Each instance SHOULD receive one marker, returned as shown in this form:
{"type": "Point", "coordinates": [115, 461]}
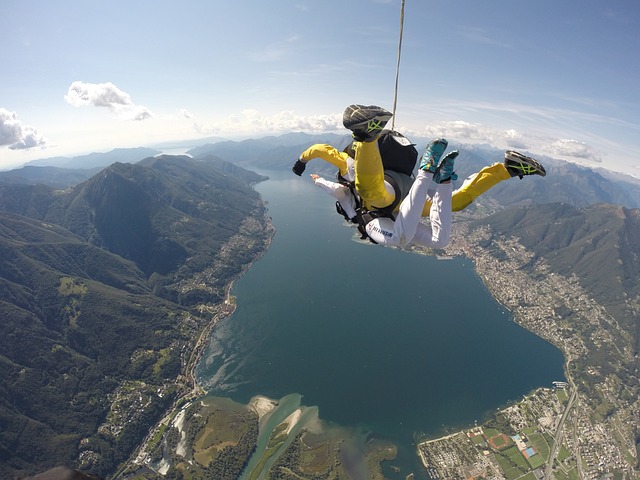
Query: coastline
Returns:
{"type": "Point", "coordinates": [188, 378]}
{"type": "Point", "coordinates": [526, 286]}
{"type": "Point", "coordinates": [226, 308]}
{"type": "Point", "coordinates": [526, 311]}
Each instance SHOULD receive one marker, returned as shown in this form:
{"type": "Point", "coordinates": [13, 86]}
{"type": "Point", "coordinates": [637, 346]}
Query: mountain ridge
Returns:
{"type": "Point", "coordinates": [600, 244]}
{"type": "Point", "coordinates": [569, 275]}
{"type": "Point", "coordinates": [104, 287]}
{"type": "Point", "coordinates": [566, 182]}
{"type": "Point", "coordinates": [136, 250]}
{"type": "Point", "coordinates": [97, 159]}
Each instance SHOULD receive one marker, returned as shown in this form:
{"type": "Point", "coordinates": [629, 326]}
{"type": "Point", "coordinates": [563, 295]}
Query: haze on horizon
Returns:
{"type": "Point", "coordinates": [548, 78]}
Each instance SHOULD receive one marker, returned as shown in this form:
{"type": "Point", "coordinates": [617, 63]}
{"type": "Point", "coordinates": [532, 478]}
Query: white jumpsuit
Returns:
{"type": "Point", "coordinates": [407, 228]}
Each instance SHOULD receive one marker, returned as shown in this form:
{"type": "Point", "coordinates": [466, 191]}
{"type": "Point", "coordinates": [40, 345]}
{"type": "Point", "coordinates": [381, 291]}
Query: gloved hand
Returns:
{"type": "Point", "coordinates": [299, 167]}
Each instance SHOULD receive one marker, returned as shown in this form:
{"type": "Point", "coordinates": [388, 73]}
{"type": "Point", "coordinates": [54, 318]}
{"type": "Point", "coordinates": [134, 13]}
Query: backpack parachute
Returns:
{"type": "Point", "coordinates": [397, 152]}
{"type": "Point", "coordinates": [399, 157]}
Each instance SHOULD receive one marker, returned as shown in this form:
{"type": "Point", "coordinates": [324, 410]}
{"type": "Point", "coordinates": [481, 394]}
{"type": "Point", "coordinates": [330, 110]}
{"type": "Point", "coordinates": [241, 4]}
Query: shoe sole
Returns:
{"type": "Point", "coordinates": [361, 118]}
{"type": "Point", "coordinates": [527, 165]}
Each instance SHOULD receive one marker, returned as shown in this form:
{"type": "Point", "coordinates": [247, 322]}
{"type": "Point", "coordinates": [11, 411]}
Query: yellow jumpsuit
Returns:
{"type": "Point", "coordinates": [370, 183]}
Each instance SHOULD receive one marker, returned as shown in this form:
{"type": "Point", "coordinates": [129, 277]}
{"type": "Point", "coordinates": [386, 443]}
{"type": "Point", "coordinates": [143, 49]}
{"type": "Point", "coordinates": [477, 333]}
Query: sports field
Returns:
{"type": "Point", "coordinates": [499, 442]}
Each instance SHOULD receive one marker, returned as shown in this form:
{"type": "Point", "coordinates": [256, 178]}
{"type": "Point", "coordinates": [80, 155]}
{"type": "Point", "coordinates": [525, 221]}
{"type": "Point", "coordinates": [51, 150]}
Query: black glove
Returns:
{"type": "Point", "coordinates": [299, 167]}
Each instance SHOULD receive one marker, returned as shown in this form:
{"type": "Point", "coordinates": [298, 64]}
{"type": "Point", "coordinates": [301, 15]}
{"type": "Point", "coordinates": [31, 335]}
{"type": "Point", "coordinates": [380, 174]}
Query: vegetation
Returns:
{"type": "Point", "coordinates": [220, 437]}
{"type": "Point", "coordinates": [105, 285]}
{"type": "Point", "coordinates": [600, 247]}
{"type": "Point", "coordinates": [98, 303]}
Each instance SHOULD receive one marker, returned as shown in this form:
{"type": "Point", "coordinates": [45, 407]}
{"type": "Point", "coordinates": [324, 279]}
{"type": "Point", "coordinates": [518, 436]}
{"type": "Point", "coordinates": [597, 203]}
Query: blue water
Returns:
{"type": "Point", "coordinates": [380, 339]}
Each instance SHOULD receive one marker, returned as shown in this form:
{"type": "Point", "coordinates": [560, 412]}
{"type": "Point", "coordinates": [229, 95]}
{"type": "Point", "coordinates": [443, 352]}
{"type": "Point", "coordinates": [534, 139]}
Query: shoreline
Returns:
{"type": "Point", "coordinates": [533, 299]}
{"type": "Point", "coordinates": [222, 310]}
{"type": "Point", "coordinates": [225, 309]}
{"type": "Point", "coordinates": [228, 306]}
{"type": "Point", "coordinates": [523, 315]}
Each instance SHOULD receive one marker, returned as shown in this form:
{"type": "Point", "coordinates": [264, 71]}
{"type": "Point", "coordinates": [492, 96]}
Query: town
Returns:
{"type": "Point", "coordinates": [579, 429]}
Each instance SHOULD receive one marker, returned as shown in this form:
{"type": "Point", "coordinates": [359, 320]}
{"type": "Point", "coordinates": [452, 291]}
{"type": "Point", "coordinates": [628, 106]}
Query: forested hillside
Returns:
{"type": "Point", "coordinates": [600, 245]}
{"type": "Point", "coordinates": [99, 303]}
{"type": "Point", "coordinates": [595, 251]}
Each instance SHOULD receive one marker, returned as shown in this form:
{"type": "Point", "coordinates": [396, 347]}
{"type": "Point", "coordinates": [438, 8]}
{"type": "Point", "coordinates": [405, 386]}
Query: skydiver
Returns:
{"type": "Point", "coordinates": [405, 227]}
{"type": "Point", "coordinates": [370, 184]}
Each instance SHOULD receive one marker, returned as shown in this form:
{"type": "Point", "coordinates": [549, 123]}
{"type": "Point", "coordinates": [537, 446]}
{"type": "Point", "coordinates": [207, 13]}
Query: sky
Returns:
{"type": "Point", "coordinates": [558, 78]}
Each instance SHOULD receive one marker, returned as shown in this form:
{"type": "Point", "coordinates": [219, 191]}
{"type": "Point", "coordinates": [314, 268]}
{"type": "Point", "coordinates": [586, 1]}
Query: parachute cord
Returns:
{"type": "Point", "coordinates": [395, 92]}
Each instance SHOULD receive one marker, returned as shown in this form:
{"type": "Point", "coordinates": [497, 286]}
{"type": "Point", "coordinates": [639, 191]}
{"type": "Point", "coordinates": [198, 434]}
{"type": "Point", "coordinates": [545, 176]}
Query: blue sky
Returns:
{"type": "Point", "coordinates": [549, 77]}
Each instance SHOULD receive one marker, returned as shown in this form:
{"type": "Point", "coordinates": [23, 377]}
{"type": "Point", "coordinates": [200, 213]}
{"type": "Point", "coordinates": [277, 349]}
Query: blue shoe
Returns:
{"type": "Point", "coordinates": [365, 121]}
{"type": "Point", "coordinates": [431, 156]}
{"type": "Point", "coordinates": [444, 171]}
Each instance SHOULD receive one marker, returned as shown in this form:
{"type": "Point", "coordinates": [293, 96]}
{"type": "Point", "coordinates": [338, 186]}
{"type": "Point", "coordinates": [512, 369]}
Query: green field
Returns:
{"type": "Point", "coordinates": [477, 440]}
{"type": "Point", "coordinates": [536, 461]}
{"type": "Point", "coordinates": [562, 395]}
{"type": "Point", "coordinates": [542, 443]}
{"type": "Point", "coordinates": [512, 463]}
{"type": "Point", "coordinates": [516, 457]}
{"type": "Point", "coordinates": [490, 432]}
{"type": "Point", "coordinates": [510, 471]}
{"type": "Point", "coordinates": [563, 454]}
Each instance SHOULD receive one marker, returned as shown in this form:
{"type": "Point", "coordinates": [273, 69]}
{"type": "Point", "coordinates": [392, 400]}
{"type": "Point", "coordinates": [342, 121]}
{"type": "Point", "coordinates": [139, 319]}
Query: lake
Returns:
{"type": "Point", "coordinates": [384, 340]}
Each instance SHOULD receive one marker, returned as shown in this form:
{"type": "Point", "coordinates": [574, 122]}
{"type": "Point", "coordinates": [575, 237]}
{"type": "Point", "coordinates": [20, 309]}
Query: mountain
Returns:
{"type": "Point", "coordinates": [73, 317]}
{"type": "Point", "coordinates": [92, 160]}
{"type": "Point", "coordinates": [565, 182]}
{"type": "Point", "coordinates": [269, 152]}
{"type": "Point", "coordinates": [104, 287]}
{"type": "Point", "coordinates": [599, 248]}
{"type": "Point", "coordinates": [185, 144]}
{"type": "Point", "coordinates": [64, 177]}
{"type": "Point", "coordinates": [135, 211]}
{"type": "Point", "coordinates": [57, 177]}
{"type": "Point", "coordinates": [599, 244]}
{"type": "Point", "coordinates": [628, 184]}
{"type": "Point", "coordinates": [570, 275]}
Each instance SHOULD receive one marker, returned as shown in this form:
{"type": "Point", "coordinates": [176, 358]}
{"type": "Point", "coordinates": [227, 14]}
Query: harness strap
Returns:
{"type": "Point", "coordinates": [363, 215]}
{"type": "Point", "coordinates": [388, 210]}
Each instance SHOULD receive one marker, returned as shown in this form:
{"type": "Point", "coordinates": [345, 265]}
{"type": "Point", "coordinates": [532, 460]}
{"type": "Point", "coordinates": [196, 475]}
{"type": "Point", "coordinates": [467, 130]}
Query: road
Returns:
{"type": "Point", "coordinates": [557, 438]}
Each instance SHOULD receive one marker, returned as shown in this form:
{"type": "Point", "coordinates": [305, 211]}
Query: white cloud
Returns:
{"type": "Point", "coordinates": [463, 132]}
{"type": "Point", "coordinates": [573, 148]}
{"type": "Point", "coordinates": [251, 122]}
{"type": "Point", "coordinates": [514, 139]}
{"type": "Point", "coordinates": [107, 95]}
{"type": "Point", "coordinates": [472, 133]}
{"type": "Point", "coordinates": [17, 136]}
